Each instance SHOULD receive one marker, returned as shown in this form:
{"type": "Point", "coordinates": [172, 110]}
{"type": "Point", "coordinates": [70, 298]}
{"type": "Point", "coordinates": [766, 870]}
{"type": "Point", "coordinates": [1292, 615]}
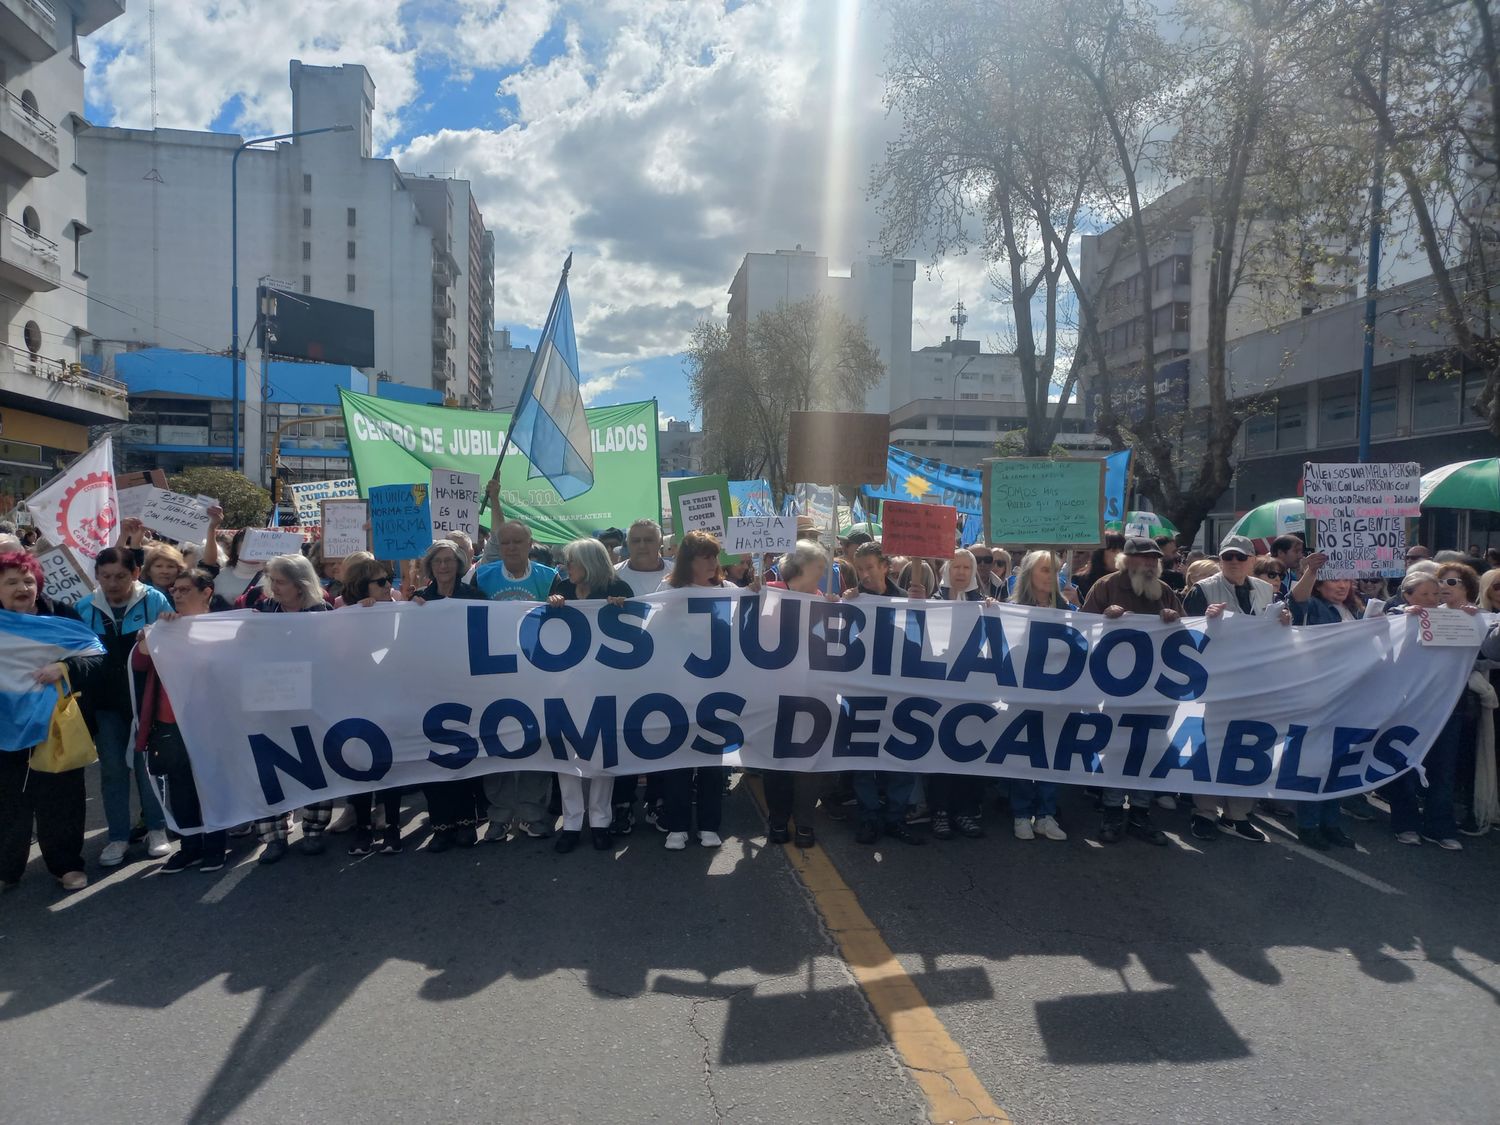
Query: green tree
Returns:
{"type": "Point", "coordinates": [245, 503]}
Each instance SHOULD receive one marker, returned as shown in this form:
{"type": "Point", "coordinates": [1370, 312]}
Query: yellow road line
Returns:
{"type": "Point", "coordinates": [937, 1064]}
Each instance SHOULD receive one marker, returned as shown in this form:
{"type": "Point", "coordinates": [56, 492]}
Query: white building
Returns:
{"type": "Point", "coordinates": [679, 448]}
{"type": "Point", "coordinates": [510, 365]}
{"type": "Point", "coordinates": [877, 293]}
{"type": "Point", "coordinates": [318, 214]}
{"type": "Point", "coordinates": [47, 401]}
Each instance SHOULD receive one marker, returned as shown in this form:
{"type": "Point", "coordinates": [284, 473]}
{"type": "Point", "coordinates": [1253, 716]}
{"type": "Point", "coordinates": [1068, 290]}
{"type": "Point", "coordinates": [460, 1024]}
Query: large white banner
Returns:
{"type": "Point", "coordinates": [279, 710]}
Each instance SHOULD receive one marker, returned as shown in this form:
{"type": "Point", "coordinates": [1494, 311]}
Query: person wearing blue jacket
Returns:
{"type": "Point", "coordinates": [117, 611]}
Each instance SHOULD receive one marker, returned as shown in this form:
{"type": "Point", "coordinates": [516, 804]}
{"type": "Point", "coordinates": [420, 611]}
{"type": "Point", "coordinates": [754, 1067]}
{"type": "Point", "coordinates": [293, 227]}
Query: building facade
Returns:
{"type": "Point", "coordinates": [509, 366]}
{"type": "Point", "coordinates": [679, 449]}
{"type": "Point", "coordinates": [317, 214]}
{"type": "Point", "coordinates": [877, 293]}
{"type": "Point", "coordinates": [48, 401]}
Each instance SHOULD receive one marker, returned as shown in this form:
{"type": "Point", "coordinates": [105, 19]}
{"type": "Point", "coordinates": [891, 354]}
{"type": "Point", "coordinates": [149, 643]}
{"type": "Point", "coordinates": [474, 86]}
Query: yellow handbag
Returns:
{"type": "Point", "coordinates": [69, 745]}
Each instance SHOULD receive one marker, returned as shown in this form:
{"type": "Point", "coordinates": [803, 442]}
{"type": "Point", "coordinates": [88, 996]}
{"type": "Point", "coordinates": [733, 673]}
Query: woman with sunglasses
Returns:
{"type": "Point", "coordinates": [701, 788]}
{"type": "Point", "coordinates": [367, 580]}
{"type": "Point", "coordinates": [1269, 569]}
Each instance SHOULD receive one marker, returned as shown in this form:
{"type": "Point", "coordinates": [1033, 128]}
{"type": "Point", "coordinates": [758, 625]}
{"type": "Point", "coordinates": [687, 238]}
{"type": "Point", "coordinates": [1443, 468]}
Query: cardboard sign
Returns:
{"type": "Point", "coordinates": [1039, 502]}
{"type": "Point", "coordinates": [345, 526]}
{"type": "Point", "coordinates": [701, 504]}
{"type": "Point", "coordinates": [760, 535]}
{"type": "Point", "coordinates": [309, 495]}
{"type": "Point", "coordinates": [1444, 627]}
{"type": "Point", "coordinates": [837, 447]}
{"type": "Point", "coordinates": [454, 500]}
{"type": "Point", "coordinates": [175, 516]}
{"type": "Point", "coordinates": [63, 580]}
{"type": "Point", "coordinates": [924, 531]}
{"type": "Point", "coordinates": [400, 521]}
{"type": "Point", "coordinates": [135, 480]}
{"type": "Point", "coordinates": [262, 543]}
{"type": "Point", "coordinates": [1359, 514]}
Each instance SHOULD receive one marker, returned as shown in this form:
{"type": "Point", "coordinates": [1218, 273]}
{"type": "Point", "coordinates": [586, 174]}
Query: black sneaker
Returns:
{"type": "Point", "coordinates": [1112, 827]}
{"type": "Point", "coordinates": [969, 827]}
{"type": "Point", "coordinates": [179, 861]}
{"type": "Point", "coordinates": [1313, 838]}
{"type": "Point", "coordinates": [466, 836]}
{"type": "Point", "coordinates": [272, 851]}
{"type": "Point", "coordinates": [312, 845]}
{"type": "Point", "coordinates": [363, 842]}
{"type": "Point", "coordinates": [1242, 828]}
{"type": "Point", "coordinates": [1358, 809]}
{"type": "Point", "coordinates": [1203, 829]}
{"type": "Point", "coordinates": [867, 832]}
{"type": "Point", "coordinates": [942, 827]}
{"type": "Point", "coordinates": [390, 840]}
{"type": "Point", "coordinates": [1139, 825]}
{"type": "Point", "coordinates": [603, 839]}
{"type": "Point", "coordinates": [624, 822]}
{"type": "Point", "coordinates": [566, 842]}
{"type": "Point", "coordinates": [901, 831]}
{"type": "Point", "coordinates": [778, 835]}
{"type": "Point", "coordinates": [805, 838]}
{"type": "Point", "coordinates": [1338, 837]}
{"type": "Point", "coordinates": [441, 841]}
{"type": "Point", "coordinates": [211, 863]}
{"type": "Point", "coordinates": [656, 818]}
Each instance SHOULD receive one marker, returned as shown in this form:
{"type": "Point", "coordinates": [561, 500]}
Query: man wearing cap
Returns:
{"type": "Point", "coordinates": [1232, 588]}
{"type": "Point", "coordinates": [1135, 588]}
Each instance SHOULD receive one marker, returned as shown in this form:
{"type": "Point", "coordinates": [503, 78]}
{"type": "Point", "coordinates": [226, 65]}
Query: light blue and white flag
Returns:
{"type": "Point", "coordinates": [549, 427]}
{"type": "Point", "coordinates": [28, 642]}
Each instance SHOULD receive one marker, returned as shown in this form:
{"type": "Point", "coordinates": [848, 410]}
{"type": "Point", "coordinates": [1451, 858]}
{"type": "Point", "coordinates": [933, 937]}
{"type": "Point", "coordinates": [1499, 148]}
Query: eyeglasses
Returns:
{"type": "Point", "coordinates": [984, 560]}
{"type": "Point", "coordinates": [1234, 556]}
{"type": "Point", "coordinates": [380, 582]}
{"type": "Point", "coordinates": [1451, 581]}
{"type": "Point", "coordinates": [1274, 573]}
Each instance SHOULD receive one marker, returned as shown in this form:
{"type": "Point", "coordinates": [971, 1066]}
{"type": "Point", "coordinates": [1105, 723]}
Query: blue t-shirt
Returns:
{"type": "Point", "coordinates": [499, 586]}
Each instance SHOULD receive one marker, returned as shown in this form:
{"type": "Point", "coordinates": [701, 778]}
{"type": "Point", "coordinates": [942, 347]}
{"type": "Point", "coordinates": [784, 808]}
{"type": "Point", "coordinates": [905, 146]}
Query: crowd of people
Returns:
{"type": "Point", "coordinates": [130, 714]}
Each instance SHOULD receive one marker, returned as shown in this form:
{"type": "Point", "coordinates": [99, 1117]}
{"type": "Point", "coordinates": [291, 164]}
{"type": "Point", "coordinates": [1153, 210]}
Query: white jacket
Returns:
{"type": "Point", "coordinates": [1217, 589]}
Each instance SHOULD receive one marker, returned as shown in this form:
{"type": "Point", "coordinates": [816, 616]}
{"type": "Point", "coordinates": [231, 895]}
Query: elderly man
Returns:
{"type": "Point", "coordinates": [1135, 588]}
{"type": "Point", "coordinates": [1236, 589]}
{"type": "Point", "coordinates": [643, 568]}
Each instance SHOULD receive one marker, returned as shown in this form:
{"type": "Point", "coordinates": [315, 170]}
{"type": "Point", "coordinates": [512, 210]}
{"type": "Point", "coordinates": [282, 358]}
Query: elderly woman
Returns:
{"type": "Point", "coordinates": [367, 580]}
{"type": "Point", "coordinates": [159, 738]}
{"type": "Point", "coordinates": [700, 789]}
{"type": "Point", "coordinates": [50, 803]}
{"type": "Point", "coordinates": [290, 585]}
{"type": "Point", "coordinates": [161, 566]}
{"type": "Point", "coordinates": [444, 564]}
{"type": "Point", "coordinates": [588, 574]}
{"type": "Point", "coordinates": [793, 794]}
{"type": "Point", "coordinates": [954, 798]}
{"type": "Point", "coordinates": [117, 611]}
{"type": "Point", "coordinates": [1489, 591]}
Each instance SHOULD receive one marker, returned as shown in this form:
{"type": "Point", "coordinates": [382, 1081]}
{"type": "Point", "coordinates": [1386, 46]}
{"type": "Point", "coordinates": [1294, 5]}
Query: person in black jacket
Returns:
{"type": "Point", "coordinates": [52, 802]}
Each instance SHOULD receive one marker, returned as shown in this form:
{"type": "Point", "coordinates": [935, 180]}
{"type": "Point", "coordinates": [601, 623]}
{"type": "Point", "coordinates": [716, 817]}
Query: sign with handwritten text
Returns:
{"type": "Point", "coordinates": [1360, 513]}
{"type": "Point", "coordinates": [760, 535]}
{"type": "Point", "coordinates": [1039, 502]}
{"type": "Point", "coordinates": [920, 530]}
{"type": "Point", "coordinates": [400, 521]}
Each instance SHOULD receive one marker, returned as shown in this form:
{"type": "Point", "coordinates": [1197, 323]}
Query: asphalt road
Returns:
{"type": "Point", "coordinates": [509, 984]}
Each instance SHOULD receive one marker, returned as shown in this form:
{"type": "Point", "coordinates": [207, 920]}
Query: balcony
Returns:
{"type": "Point", "coordinates": [27, 139]}
{"type": "Point", "coordinates": [60, 389]}
{"type": "Point", "coordinates": [95, 14]}
{"type": "Point", "coordinates": [441, 305]}
{"type": "Point", "coordinates": [442, 336]}
{"type": "Point", "coordinates": [26, 258]}
{"type": "Point", "coordinates": [29, 27]}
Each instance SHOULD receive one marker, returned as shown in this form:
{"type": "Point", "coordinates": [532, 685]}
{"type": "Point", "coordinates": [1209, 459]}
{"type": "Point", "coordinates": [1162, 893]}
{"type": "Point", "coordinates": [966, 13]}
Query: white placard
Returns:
{"type": "Point", "coordinates": [455, 503]}
{"type": "Point", "coordinates": [63, 580]}
{"type": "Point", "coordinates": [701, 511]}
{"type": "Point", "coordinates": [308, 495]}
{"type": "Point", "coordinates": [1361, 513]}
{"type": "Point", "coordinates": [176, 516]}
{"type": "Point", "coordinates": [132, 501]}
{"type": "Point", "coordinates": [1444, 627]}
{"type": "Point", "coordinates": [277, 687]}
{"type": "Point", "coordinates": [346, 527]}
{"type": "Point", "coordinates": [759, 535]}
{"type": "Point", "coordinates": [262, 543]}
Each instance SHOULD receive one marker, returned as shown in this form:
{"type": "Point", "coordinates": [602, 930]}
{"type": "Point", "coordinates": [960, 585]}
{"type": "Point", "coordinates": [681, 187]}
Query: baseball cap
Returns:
{"type": "Point", "coordinates": [1238, 543]}
{"type": "Point", "coordinates": [1140, 545]}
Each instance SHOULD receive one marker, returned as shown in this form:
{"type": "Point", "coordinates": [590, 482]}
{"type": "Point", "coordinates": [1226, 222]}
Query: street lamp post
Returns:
{"type": "Point", "coordinates": [234, 275]}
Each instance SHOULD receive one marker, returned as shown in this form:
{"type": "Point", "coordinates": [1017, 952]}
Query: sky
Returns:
{"type": "Point", "coordinates": [657, 140]}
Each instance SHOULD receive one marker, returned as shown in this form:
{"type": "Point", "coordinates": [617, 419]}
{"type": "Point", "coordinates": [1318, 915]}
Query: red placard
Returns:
{"type": "Point", "coordinates": [923, 531]}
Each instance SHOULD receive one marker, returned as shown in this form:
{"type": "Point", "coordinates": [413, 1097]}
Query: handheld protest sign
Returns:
{"type": "Point", "coordinates": [262, 543]}
{"type": "Point", "coordinates": [701, 504]}
{"type": "Point", "coordinates": [63, 580]}
{"type": "Point", "coordinates": [1042, 502]}
{"type": "Point", "coordinates": [307, 496]}
{"type": "Point", "coordinates": [455, 503]}
{"type": "Point", "coordinates": [175, 516]}
{"type": "Point", "coordinates": [838, 447]}
{"type": "Point", "coordinates": [923, 530]}
{"type": "Point", "coordinates": [346, 527]}
{"type": "Point", "coordinates": [400, 521]}
{"type": "Point", "coordinates": [1358, 513]}
{"type": "Point", "coordinates": [760, 535]}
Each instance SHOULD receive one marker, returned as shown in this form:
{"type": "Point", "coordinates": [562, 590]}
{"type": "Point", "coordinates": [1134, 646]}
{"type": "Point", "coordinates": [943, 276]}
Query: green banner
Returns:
{"type": "Point", "coordinates": [401, 443]}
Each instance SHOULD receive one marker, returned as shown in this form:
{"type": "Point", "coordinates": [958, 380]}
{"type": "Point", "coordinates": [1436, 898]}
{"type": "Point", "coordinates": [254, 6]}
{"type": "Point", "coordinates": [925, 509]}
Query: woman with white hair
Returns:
{"type": "Point", "coordinates": [290, 585]}
{"type": "Point", "coordinates": [590, 576]}
{"type": "Point", "coordinates": [1033, 804]}
{"type": "Point", "coordinates": [955, 798]}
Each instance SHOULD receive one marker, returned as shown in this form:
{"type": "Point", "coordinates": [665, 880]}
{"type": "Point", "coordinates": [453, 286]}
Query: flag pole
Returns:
{"type": "Point", "coordinates": [515, 413]}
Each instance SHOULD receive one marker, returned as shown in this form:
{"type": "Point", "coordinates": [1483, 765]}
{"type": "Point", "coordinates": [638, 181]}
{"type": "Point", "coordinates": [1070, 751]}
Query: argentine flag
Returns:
{"type": "Point", "coordinates": [29, 641]}
{"type": "Point", "coordinates": [549, 427]}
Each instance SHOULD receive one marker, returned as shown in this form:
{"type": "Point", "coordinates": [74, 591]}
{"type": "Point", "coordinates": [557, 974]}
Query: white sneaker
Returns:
{"type": "Point", "coordinates": [157, 845]}
{"type": "Point", "coordinates": [1410, 838]}
{"type": "Point", "coordinates": [676, 841]}
{"type": "Point", "coordinates": [496, 832]}
{"type": "Point", "coordinates": [1166, 801]}
{"type": "Point", "coordinates": [1049, 828]}
{"type": "Point", "coordinates": [710, 839]}
{"type": "Point", "coordinates": [113, 854]}
{"type": "Point", "coordinates": [1447, 843]}
{"type": "Point", "coordinates": [1023, 828]}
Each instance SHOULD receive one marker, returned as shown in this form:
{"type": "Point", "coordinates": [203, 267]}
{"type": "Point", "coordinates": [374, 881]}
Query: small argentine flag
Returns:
{"type": "Point", "coordinates": [28, 642]}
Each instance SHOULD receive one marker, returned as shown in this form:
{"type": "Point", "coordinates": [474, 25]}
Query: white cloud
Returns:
{"type": "Point", "coordinates": [606, 382]}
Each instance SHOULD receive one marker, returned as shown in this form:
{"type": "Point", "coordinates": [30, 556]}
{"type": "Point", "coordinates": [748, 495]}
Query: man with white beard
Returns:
{"type": "Point", "coordinates": [1135, 588]}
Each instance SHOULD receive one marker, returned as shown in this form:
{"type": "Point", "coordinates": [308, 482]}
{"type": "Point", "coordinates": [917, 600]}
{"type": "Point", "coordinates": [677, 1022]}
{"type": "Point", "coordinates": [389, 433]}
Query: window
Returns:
{"type": "Point", "coordinates": [31, 221]}
{"type": "Point", "coordinates": [1291, 426]}
{"type": "Point", "coordinates": [1473, 384]}
{"type": "Point", "coordinates": [1435, 403]}
{"type": "Point", "coordinates": [307, 216]}
{"type": "Point", "coordinates": [349, 283]}
{"type": "Point", "coordinates": [307, 251]}
{"type": "Point", "coordinates": [307, 283]}
{"type": "Point", "coordinates": [1182, 313]}
{"type": "Point", "coordinates": [969, 395]}
{"type": "Point", "coordinates": [307, 181]}
{"type": "Point", "coordinates": [351, 216]}
{"type": "Point", "coordinates": [350, 246]}
{"type": "Point", "coordinates": [1338, 419]}
{"type": "Point", "coordinates": [79, 230]}
{"type": "Point", "coordinates": [1260, 434]}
